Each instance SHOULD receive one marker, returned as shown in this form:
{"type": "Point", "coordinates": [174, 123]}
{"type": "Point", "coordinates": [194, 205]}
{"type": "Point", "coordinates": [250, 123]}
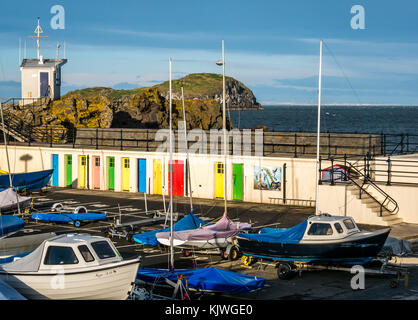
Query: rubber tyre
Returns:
{"type": "Point", "coordinates": [233, 254]}
{"type": "Point", "coordinates": [77, 223]}
{"type": "Point", "coordinates": [285, 272]}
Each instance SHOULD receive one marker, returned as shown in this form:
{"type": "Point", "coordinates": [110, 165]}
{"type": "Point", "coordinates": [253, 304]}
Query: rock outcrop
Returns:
{"type": "Point", "coordinates": [140, 108]}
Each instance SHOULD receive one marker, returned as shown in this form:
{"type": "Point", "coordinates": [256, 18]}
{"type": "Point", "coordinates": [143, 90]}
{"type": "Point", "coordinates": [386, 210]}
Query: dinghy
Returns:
{"type": "Point", "coordinates": [319, 239]}
{"type": "Point", "coordinates": [72, 266]}
{"type": "Point", "coordinates": [217, 235]}
{"type": "Point", "coordinates": [30, 181]}
{"type": "Point", "coordinates": [186, 223]}
{"type": "Point", "coordinates": [75, 218]}
{"type": "Point", "coordinates": [10, 200]}
{"type": "Point", "coordinates": [204, 279]}
{"type": "Point", "coordinates": [10, 225]}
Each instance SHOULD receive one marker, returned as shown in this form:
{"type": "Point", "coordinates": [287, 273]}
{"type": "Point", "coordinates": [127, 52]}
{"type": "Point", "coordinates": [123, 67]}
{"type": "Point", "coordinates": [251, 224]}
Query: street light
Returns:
{"type": "Point", "coordinates": [222, 63]}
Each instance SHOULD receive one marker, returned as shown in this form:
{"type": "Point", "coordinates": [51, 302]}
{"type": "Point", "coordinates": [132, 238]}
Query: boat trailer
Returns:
{"type": "Point", "coordinates": [126, 230]}
{"type": "Point", "coordinates": [286, 270]}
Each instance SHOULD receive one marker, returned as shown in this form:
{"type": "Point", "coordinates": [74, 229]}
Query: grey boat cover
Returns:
{"type": "Point", "coordinates": [9, 199]}
{"type": "Point", "coordinates": [399, 247]}
{"type": "Point", "coordinates": [29, 263]}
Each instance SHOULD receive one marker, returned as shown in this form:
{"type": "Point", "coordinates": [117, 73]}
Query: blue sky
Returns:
{"type": "Point", "coordinates": [271, 46]}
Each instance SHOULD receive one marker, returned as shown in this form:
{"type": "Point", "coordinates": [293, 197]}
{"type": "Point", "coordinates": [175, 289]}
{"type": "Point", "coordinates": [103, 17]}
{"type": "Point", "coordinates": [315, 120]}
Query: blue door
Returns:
{"type": "Point", "coordinates": [44, 84]}
{"type": "Point", "coordinates": [55, 167]}
{"type": "Point", "coordinates": [142, 175]}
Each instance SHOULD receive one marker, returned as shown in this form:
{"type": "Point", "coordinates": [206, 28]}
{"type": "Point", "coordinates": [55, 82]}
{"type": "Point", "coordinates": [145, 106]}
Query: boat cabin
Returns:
{"type": "Point", "coordinates": [327, 227]}
{"type": "Point", "coordinates": [68, 251]}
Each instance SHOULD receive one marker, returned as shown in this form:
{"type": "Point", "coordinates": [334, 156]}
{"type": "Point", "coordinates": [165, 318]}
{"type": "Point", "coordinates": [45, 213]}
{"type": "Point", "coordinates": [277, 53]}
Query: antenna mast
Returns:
{"type": "Point", "coordinates": [38, 31]}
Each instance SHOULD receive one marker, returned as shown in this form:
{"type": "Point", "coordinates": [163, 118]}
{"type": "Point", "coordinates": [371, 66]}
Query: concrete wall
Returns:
{"type": "Point", "coordinates": [338, 200]}
{"type": "Point", "coordinates": [300, 173]}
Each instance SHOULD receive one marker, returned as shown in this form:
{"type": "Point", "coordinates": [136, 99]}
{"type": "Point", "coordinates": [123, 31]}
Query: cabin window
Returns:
{"type": "Point", "coordinates": [85, 252]}
{"type": "Point", "coordinates": [103, 249]}
{"type": "Point", "coordinates": [349, 224]}
{"type": "Point", "coordinates": [320, 229]}
{"type": "Point", "coordinates": [338, 228]}
{"type": "Point", "coordinates": [60, 255]}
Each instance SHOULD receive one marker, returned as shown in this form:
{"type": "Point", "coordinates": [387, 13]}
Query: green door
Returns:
{"type": "Point", "coordinates": [68, 170]}
{"type": "Point", "coordinates": [237, 177]}
{"type": "Point", "coordinates": [111, 173]}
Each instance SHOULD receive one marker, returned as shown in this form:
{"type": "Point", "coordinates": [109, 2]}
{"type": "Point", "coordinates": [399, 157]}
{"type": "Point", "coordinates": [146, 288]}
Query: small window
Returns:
{"type": "Point", "coordinates": [126, 163]}
{"type": "Point", "coordinates": [338, 227]}
{"type": "Point", "coordinates": [85, 252]}
{"type": "Point", "coordinates": [111, 162]}
{"type": "Point", "coordinates": [60, 255]}
{"type": "Point", "coordinates": [349, 224]}
{"type": "Point", "coordinates": [97, 161]}
{"type": "Point", "coordinates": [320, 229]}
{"type": "Point", "coordinates": [103, 249]}
{"type": "Point", "coordinates": [83, 161]}
{"type": "Point", "coordinates": [220, 167]}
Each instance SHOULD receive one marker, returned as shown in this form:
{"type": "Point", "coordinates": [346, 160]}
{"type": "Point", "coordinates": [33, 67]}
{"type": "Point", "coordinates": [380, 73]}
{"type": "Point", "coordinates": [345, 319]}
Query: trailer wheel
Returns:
{"type": "Point", "coordinates": [233, 254]}
{"type": "Point", "coordinates": [77, 223]}
{"type": "Point", "coordinates": [246, 260]}
{"type": "Point", "coordinates": [285, 272]}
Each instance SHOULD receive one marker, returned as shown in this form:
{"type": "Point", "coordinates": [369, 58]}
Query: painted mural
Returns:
{"type": "Point", "coordinates": [267, 178]}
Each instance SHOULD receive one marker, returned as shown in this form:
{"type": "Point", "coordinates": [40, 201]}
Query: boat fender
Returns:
{"type": "Point", "coordinates": [80, 209]}
{"type": "Point", "coordinates": [57, 207]}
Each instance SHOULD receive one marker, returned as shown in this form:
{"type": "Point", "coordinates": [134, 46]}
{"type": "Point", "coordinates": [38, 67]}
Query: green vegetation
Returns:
{"type": "Point", "coordinates": [196, 85]}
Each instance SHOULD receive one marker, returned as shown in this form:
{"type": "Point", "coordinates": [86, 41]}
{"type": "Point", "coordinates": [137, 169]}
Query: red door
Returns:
{"type": "Point", "coordinates": [178, 178]}
{"type": "Point", "coordinates": [96, 172]}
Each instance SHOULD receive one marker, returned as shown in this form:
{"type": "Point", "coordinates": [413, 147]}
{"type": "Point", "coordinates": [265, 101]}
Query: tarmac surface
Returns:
{"type": "Point", "coordinates": [307, 285]}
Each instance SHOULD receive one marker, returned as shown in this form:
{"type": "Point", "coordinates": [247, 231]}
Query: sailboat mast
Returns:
{"type": "Point", "coordinates": [7, 156]}
{"type": "Point", "coordinates": [170, 170]}
{"type": "Point", "coordinates": [187, 150]}
{"type": "Point", "coordinates": [224, 123]}
{"type": "Point", "coordinates": [319, 127]}
{"type": "Point", "coordinates": [5, 144]}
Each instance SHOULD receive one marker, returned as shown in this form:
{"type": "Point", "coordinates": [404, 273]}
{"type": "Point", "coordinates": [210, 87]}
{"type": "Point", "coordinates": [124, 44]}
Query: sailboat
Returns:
{"type": "Point", "coordinates": [219, 234]}
{"type": "Point", "coordinates": [321, 238]}
{"type": "Point", "coordinates": [199, 279]}
{"type": "Point", "coordinates": [29, 181]}
{"type": "Point", "coordinates": [10, 200]}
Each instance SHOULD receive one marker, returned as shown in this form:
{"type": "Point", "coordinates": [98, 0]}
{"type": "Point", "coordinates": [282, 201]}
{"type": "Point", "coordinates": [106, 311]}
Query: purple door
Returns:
{"type": "Point", "coordinates": [44, 84]}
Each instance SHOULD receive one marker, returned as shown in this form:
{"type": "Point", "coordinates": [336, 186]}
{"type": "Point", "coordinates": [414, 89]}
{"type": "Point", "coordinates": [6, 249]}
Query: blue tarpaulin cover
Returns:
{"type": "Point", "coordinates": [289, 235]}
{"type": "Point", "coordinates": [205, 279]}
{"type": "Point", "coordinates": [68, 217]}
{"type": "Point", "coordinates": [187, 223]}
{"type": "Point", "coordinates": [9, 224]}
{"type": "Point", "coordinates": [31, 181]}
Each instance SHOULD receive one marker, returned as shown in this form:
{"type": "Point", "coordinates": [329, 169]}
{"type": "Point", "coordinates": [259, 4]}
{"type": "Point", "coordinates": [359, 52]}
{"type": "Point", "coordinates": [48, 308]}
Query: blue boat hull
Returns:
{"type": "Point", "coordinates": [358, 251]}
{"type": "Point", "coordinates": [30, 181]}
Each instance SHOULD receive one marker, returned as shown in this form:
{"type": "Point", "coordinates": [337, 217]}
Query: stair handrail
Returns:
{"type": "Point", "coordinates": [366, 180]}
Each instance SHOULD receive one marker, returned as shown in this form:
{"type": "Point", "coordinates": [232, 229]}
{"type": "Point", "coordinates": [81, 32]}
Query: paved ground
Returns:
{"type": "Point", "coordinates": [309, 285]}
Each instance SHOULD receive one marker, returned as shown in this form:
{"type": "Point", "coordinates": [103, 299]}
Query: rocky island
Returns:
{"type": "Point", "coordinates": [148, 107]}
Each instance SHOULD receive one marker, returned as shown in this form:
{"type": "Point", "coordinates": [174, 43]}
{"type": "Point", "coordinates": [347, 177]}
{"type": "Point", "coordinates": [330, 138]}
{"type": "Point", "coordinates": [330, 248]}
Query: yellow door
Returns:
{"type": "Point", "coordinates": [219, 180]}
{"type": "Point", "coordinates": [82, 172]}
{"type": "Point", "coordinates": [125, 174]}
{"type": "Point", "coordinates": [157, 177]}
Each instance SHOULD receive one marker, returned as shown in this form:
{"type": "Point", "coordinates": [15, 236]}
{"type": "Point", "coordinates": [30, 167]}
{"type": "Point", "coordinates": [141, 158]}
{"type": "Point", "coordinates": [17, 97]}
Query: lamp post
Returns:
{"type": "Point", "coordinates": [222, 63]}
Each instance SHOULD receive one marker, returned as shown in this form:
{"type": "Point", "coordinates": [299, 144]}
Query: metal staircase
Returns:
{"type": "Point", "coordinates": [372, 196]}
{"type": "Point", "coordinates": [25, 132]}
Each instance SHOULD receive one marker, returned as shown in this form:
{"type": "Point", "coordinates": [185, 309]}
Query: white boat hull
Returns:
{"type": "Point", "coordinates": [197, 244]}
{"type": "Point", "coordinates": [106, 282]}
